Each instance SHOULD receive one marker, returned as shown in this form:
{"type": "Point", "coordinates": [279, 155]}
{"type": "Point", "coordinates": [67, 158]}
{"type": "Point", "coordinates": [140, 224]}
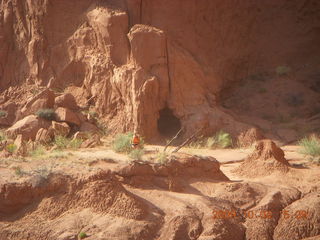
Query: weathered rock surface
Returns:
{"type": "Point", "coordinates": [66, 115]}
{"type": "Point", "coordinates": [44, 136]}
{"type": "Point", "coordinates": [66, 101]}
{"type": "Point", "coordinates": [27, 127]}
{"type": "Point", "coordinates": [249, 137]}
{"type": "Point", "coordinates": [62, 129]}
{"type": "Point", "coordinates": [131, 61]}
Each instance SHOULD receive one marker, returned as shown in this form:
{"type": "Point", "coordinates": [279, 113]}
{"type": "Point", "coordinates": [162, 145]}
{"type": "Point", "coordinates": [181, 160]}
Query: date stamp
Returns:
{"type": "Point", "coordinates": [260, 214]}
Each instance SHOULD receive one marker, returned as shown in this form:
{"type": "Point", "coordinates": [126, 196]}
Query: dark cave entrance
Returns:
{"type": "Point", "coordinates": [168, 123]}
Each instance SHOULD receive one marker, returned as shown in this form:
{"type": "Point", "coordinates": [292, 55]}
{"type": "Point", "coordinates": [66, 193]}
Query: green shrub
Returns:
{"type": "Point", "coordinates": [47, 114]}
{"type": "Point", "coordinates": [82, 235]}
{"type": "Point", "coordinates": [2, 136]}
{"type": "Point", "coordinates": [282, 70]}
{"type": "Point", "coordinates": [220, 140]}
{"type": "Point", "coordinates": [136, 154]}
{"type": "Point", "coordinates": [122, 143]}
{"type": "Point", "coordinates": [38, 151]}
{"type": "Point", "coordinates": [11, 148]}
{"type": "Point", "coordinates": [75, 143]}
{"type": "Point", "coordinates": [162, 157]}
{"type": "Point", "coordinates": [310, 146]}
{"type": "Point", "coordinates": [61, 142]}
{"type": "Point", "coordinates": [18, 171]}
{"type": "Point", "coordinates": [3, 113]}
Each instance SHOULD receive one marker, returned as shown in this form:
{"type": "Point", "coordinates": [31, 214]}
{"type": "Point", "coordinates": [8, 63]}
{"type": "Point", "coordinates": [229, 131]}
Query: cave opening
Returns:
{"type": "Point", "coordinates": [168, 123]}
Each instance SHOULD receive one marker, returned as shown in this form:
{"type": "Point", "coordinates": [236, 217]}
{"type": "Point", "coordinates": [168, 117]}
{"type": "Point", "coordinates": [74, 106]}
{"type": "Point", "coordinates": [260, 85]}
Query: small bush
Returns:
{"type": "Point", "coordinates": [11, 148]}
{"type": "Point", "coordinates": [75, 143]}
{"type": "Point", "coordinates": [136, 154]}
{"type": "Point", "coordinates": [3, 113]}
{"type": "Point", "coordinates": [220, 140]}
{"type": "Point", "coordinates": [47, 114]}
{"type": "Point", "coordinates": [2, 136]}
{"type": "Point", "coordinates": [122, 143]}
{"type": "Point", "coordinates": [162, 157]}
{"type": "Point", "coordinates": [282, 70]}
{"type": "Point", "coordinates": [82, 235]}
{"type": "Point", "coordinates": [310, 146]}
{"type": "Point", "coordinates": [61, 142]}
{"type": "Point", "coordinates": [18, 171]}
{"type": "Point", "coordinates": [38, 151]}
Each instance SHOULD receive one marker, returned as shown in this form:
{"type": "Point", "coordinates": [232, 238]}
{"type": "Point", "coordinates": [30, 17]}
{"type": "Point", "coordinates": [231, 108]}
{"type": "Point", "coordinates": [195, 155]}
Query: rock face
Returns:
{"type": "Point", "coordinates": [136, 60]}
{"type": "Point", "coordinates": [62, 129]}
{"type": "Point", "coordinates": [66, 101]}
{"type": "Point", "coordinates": [301, 219]}
{"type": "Point", "coordinates": [266, 159]}
{"type": "Point", "coordinates": [66, 115]}
{"type": "Point", "coordinates": [249, 137]}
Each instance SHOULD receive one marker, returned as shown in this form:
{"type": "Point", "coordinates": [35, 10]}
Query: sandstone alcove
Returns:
{"type": "Point", "coordinates": [168, 123]}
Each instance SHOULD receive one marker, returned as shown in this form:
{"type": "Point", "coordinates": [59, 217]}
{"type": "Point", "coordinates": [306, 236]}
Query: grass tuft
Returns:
{"type": "Point", "coordinates": [11, 148]}
{"type": "Point", "coordinates": [38, 151]}
{"type": "Point", "coordinates": [310, 146]}
{"type": "Point", "coordinates": [136, 154]}
{"type": "Point", "coordinates": [282, 70]}
{"type": "Point", "coordinates": [122, 143]}
{"type": "Point", "coordinates": [3, 113]}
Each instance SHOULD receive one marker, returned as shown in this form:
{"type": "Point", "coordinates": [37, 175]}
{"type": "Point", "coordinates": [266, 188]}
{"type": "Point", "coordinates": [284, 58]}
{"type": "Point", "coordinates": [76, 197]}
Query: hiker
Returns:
{"type": "Point", "coordinates": [135, 140]}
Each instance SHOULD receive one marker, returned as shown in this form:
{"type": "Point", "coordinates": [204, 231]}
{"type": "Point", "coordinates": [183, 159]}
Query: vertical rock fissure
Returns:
{"type": "Point", "coordinates": [168, 67]}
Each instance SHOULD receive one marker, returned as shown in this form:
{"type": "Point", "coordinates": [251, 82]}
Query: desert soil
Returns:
{"type": "Point", "coordinates": [58, 195]}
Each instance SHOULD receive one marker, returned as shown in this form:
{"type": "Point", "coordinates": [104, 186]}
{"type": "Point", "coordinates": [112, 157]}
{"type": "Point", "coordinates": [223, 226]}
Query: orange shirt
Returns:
{"type": "Point", "coordinates": [136, 140]}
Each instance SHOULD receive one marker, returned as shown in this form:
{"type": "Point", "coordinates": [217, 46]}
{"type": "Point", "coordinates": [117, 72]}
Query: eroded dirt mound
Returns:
{"type": "Point", "coordinates": [266, 159]}
{"type": "Point", "coordinates": [51, 199]}
{"type": "Point", "coordinates": [173, 174]}
{"type": "Point", "coordinates": [300, 219]}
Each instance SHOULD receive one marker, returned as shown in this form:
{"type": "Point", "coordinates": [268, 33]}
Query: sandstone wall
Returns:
{"type": "Point", "coordinates": [132, 58]}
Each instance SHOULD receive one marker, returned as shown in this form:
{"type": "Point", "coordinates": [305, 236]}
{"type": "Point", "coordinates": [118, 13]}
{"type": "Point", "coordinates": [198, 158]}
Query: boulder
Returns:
{"type": "Point", "coordinates": [249, 137]}
{"type": "Point", "coordinates": [66, 101]}
{"type": "Point", "coordinates": [88, 127]}
{"type": "Point", "coordinates": [8, 119]}
{"type": "Point", "coordinates": [44, 136]}
{"type": "Point", "coordinates": [62, 129]}
{"type": "Point", "coordinates": [28, 127]}
{"type": "Point", "coordinates": [21, 145]}
{"type": "Point", "coordinates": [66, 115]}
{"type": "Point", "coordinates": [91, 142]}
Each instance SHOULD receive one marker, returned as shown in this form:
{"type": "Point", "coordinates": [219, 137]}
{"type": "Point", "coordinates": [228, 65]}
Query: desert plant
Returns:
{"type": "Point", "coordinates": [310, 146]}
{"type": "Point", "coordinates": [220, 140]}
{"type": "Point", "coordinates": [18, 171]}
{"type": "Point", "coordinates": [75, 143]}
{"type": "Point", "coordinates": [2, 136]}
{"type": "Point", "coordinates": [3, 113]}
{"type": "Point", "coordinates": [38, 151]}
{"type": "Point", "coordinates": [122, 143]}
{"type": "Point", "coordinates": [61, 142]}
{"type": "Point", "coordinates": [82, 235]}
{"type": "Point", "coordinates": [47, 114]}
{"type": "Point", "coordinates": [11, 148]}
{"type": "Point", "coordinates": [162, 157]}
{"type": "Point", "coordinates": [136, 154]}
{"type": "Point", "coordinates": [282, 70]}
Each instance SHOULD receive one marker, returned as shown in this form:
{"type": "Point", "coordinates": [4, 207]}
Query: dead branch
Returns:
{"type": "Point", "coordinates": [175, 137]}
{"type": "Point", "coordinates": [187, 141]}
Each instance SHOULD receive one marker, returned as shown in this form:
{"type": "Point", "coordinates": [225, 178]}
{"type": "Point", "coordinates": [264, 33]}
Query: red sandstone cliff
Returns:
{"type": "Point", "coordinates": [141, 62]}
